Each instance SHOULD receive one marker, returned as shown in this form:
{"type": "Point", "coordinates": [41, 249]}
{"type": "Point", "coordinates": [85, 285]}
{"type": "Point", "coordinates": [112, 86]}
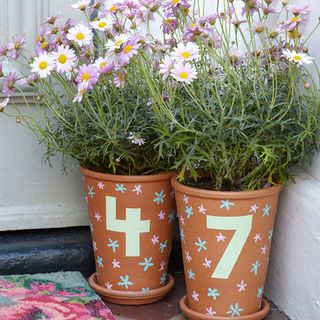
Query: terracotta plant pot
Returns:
{"type": "Point", "coordinates": [226, 239]}
{"type": "Point", "coordinates": [131, 224]}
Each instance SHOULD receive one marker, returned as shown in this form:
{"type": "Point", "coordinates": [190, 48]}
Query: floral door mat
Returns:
{"type": "Point", "coordinates": [52, 296]}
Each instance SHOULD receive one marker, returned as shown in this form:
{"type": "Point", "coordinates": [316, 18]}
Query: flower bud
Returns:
{"type": "Point", "coordinates": [268, 1]}
{"type": "Point", "coordinates": [305, 50]}
{"type": "Point", "coordinates": [284, 2]}
{"type": "Point", "coordinates": [307, 85]}
{"type": "Point", "coordinates": [273, 35]}
{"type": "Point", "coordinates": [18, 119]}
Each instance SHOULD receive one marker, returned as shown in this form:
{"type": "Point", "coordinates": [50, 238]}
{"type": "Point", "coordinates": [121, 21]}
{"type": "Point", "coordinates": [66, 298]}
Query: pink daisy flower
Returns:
{"type": "Point", "coordinates": [88, 75]}
{"type": "Point", "coordinates": [299, 9]}
{"type": "Point", "coordinates": [16, 46]}
{"type": "Point", "coordinates": [129, 50]}
{"type": "Point", "coordinates": [9, 83]}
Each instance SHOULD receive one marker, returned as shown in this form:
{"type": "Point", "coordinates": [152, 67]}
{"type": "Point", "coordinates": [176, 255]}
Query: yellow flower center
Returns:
{"type": "Point", "coordinates": [168, 20]}
{"type": "Point", "coordinates": [62, 59]}
{"type": "Point", "coordinates": [186, 54]}
{"type": "Point", "coordinates": [175, 1]}
{"type": "Point", "coordinates": [102, 64]}
{"type": "Point", "coordinates": [80, 36]}
{"type": "Point", "coordinates": [297, 58]}
{"type": "Point", "coordinates": [184, 75]}
{"type": "Point", "coordinates": [128, 48]}
{"type": "Point", "coordinates": [295, 19]}
{"type": "Point", "coordinates": [121, 77]}
{"type": "Point", "coordinates": [102, 24]}
{"type": "Point", "coordinates": [85, 76]}
{"type": "Point", "coordinates": [113, 8]}
{"type": "Point", "coordinates": [43, 65]}
{"type": "Point", "coordinates": [193, 25]}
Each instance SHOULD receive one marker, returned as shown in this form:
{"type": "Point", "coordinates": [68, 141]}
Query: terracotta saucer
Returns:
{"type": "Point", "coordinates": [193, 315]}
{"type": "Point", "coordinates": [131, 297]}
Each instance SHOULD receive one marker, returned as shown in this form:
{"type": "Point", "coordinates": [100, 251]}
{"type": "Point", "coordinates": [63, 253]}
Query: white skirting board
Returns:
{"type": "Point", "coordinates": [42, 216]}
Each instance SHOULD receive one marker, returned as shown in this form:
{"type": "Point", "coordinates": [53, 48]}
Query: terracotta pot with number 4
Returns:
{"type": "Point", "coordinates": [131, 224]}
{"type": "Point", "coordinates": [226, 240]}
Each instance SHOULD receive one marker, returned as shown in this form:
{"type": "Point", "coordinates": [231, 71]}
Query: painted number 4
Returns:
{"type": "Point", "coordinates": [132, 226]}
{"type": "Point", "coordinates": [242, 225]}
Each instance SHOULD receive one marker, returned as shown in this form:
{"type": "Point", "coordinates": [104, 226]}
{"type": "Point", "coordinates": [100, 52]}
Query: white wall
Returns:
{"type": "Point", "coordinates": [294, 272]}
{"type": "Point", "coordinates": [32, 195]}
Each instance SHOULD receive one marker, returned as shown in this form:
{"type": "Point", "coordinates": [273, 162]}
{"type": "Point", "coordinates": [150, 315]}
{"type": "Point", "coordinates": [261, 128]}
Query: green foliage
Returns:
{"type": "Point", "coordinates": [96, 131]}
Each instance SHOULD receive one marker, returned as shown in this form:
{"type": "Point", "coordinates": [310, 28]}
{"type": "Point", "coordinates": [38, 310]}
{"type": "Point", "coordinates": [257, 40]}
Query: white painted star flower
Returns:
{"type": "Point", "coordinates": [195, 296]}
{"type": "Point", "coordinates": [81, 5]}
{"type": "Point", "coordinates": [254, 208]}
{"type": "Point", "coordinates": [94, 245]}
{"type": "Point", "coordinates": [155, 240]}
{"type": "Point", "coordinates": [242, 286]}
{"type": "Point", "coordinates": [182, 220]}
{"type": "Point", "coordinates": [188, 257]}
{"type": "Point", "coordinates": [115, 263]}
{"type": "Point", "coordinates": [100, 185]}
{"type": "Point", "coordinates": [299, 58]}
{"type": "Point", "coordinates": [81, 35]}
{"type": "Point", "coordinates": [108, 285]}
{"type": "Point", "coordinates": [187, 52]}
{"type": "Point", "coordinates": [43, 65]}
{"type": "Point", "coordinates": [184, 72]}
{"type": "Point", "coordinates": [102, 24]}
{"type": "Point", "coordinates": [65, 59]}
{"type": "Point", "coordinates": [118, 41]}
{"type": "Point", "coordinates": [162, 265]}
{"type": "Point", "coordinates": [220, 237]}
{"type": "Point", "coordinates": [202, 209]}
{"type": "Point", "coordinates": [91, 192]}
{"type": "Point", "coordinates": [210, 311]}
{"type": "Point", "coordinates": [257, 237]}
{"type": "Point", "coordinates": [207, 263]}
{"type": "Point", "coordinates": [137, 189]}
{"type": "Point", "coordinates": [161, 215]}
{"type": "Point", "coordinates": [97, 215]}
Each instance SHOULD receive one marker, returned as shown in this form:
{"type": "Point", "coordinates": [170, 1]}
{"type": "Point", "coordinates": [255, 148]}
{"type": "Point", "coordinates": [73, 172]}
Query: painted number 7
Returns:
{"type": "Point", "coordinates": [243, 226]}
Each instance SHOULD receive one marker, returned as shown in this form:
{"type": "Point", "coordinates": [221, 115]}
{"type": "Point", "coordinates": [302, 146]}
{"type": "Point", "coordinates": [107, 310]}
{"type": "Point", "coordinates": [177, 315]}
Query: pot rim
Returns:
{"type": "Point", "coordinates": [123, 178]}
{"type": "Point", "coordinates": [202, 193]}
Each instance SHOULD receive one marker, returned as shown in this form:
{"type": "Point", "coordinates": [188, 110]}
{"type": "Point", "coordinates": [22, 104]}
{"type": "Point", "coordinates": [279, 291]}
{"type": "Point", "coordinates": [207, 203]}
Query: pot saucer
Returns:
{"type": "Point", "coordinates": [193, 315]}
{"type": "Point", "coordinates": [131, 297]}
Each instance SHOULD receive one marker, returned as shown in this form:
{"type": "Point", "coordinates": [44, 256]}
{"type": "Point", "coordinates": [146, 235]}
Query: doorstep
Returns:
{"type": "Point", "coordinates": [168, 308]}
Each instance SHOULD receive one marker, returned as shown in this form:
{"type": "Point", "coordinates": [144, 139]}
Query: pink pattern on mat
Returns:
{"type": "Point", "coordinates": [20, 298]}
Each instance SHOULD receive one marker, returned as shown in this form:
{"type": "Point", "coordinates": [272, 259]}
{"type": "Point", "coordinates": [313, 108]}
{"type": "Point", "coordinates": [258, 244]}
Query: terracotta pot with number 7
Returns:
{"type": "Point", "coordinates": [131, 224]}
{"type": "Point", "coordinates": [226, 239]}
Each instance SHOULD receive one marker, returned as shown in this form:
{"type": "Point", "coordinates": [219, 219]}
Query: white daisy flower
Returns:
{"type": "Point", "coordinates": [81, 5]}
{"type": "Point", "coordinates": [43, 65]}
{"type": "Point", "coordinates": [111, 6]}
{"type": "Point", "coordinates": [65, 59]}
{"type": "Point", "coordinates": [298, 57]}
{"type": "Point", "coordinates": [184, 72]}
{"type": "Point", "coordinates": [187, 52]}
{"type": "Point", "coordinates": [165, 67]}
{"type": "Point", "coordinates": [80, 34]}
{"type": "Point", "coordinates": [117, 43]}
{"type": "Point", "coordinates": [102, 24]}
